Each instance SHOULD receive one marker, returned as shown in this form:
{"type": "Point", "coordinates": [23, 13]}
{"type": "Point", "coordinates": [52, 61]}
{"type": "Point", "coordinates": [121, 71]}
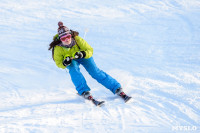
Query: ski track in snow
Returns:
{"type": "Point", "coordinates": [150, 47]}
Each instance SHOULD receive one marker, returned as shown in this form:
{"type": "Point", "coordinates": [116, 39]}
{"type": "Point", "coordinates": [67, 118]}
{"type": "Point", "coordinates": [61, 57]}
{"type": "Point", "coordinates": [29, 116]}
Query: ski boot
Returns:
{"type": "Point", "coordinates": [120, 93]}
{"type": "Point", "coordinates": [88, 96]}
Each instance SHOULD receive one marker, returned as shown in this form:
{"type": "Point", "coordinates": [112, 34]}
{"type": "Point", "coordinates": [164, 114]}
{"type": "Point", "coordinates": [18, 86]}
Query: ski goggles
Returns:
{"type": "Point", "coordinates": [65, 37]}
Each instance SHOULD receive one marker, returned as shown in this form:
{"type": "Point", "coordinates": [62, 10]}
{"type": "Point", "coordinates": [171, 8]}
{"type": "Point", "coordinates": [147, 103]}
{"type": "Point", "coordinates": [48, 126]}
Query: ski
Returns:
{"type": "Point", "coordinates": [126, 98]}
{"type": "Point", "coordinates": [94, 101]}
{"type": "Point", "coordinates": [120, 93]}
{"type": "Point", "coordinates": [98, 103]}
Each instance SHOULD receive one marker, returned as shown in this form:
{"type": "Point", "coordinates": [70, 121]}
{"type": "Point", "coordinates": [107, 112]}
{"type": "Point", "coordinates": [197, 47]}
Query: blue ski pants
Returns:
{"type": "Point", "coordinates": [90, 66]}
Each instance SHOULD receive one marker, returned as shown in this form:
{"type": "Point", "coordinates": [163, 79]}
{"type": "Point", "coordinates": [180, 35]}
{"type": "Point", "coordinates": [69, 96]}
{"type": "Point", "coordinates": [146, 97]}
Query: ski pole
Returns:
{"type": "Point", "coordinates": [86, 30]}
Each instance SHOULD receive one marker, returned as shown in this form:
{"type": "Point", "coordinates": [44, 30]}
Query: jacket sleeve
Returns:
{"type": "Point", "coordinates": [58, 57]}
{"type": "Point", "coordinates": [84, 46]}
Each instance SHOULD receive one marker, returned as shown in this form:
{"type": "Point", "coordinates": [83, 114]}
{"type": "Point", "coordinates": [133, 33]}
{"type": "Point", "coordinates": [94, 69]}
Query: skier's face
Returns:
{"type": "Point", "coordinates": [66, 40]}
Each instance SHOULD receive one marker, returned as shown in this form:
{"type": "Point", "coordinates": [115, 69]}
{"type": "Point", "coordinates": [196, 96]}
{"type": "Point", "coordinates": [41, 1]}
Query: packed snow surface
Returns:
{"type": "Point", "coordinates": [152, 47]}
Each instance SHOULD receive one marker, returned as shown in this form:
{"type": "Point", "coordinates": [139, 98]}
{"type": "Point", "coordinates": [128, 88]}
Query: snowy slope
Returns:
{"type": "Point", "coordinates": [150, 47]}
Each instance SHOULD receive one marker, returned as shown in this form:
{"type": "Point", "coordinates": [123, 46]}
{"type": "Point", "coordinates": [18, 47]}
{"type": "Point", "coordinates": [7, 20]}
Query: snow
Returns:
{"type": "Point", "coordinates": [150, 47]}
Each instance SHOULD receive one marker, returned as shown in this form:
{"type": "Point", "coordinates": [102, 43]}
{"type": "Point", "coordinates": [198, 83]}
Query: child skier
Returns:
{"type": "Point", "coordinates": [69, 51]}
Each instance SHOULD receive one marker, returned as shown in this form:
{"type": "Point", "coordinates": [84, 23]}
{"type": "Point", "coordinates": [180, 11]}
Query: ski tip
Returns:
{"type": "Point", "coordinates": [128, 99]}
{"type": "Point", "coordinates": [101, 103]}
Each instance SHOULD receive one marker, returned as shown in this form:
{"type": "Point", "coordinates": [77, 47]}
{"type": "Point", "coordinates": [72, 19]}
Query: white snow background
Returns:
{"type": "Point", "coordinates": [152, 47]}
